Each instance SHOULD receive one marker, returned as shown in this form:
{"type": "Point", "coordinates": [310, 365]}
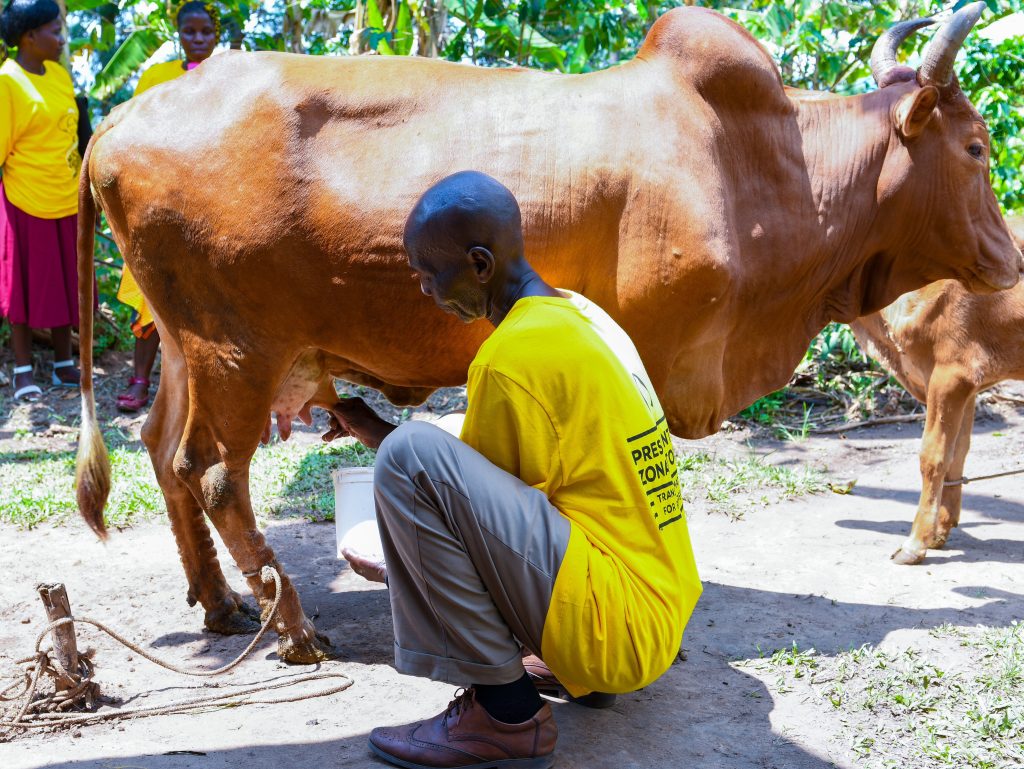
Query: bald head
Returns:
{"type": "Point", "coordinates": [462, 211]}
{"type": "Point", "coordinates": [464, 240]}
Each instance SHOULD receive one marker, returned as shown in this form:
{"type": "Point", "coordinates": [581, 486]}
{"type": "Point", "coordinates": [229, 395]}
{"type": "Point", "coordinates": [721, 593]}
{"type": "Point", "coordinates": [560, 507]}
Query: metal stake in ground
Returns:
{"type": "Point", "coordinates": [65, 646]}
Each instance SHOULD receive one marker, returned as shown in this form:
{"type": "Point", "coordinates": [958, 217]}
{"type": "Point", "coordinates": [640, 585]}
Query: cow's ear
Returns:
{"type": "Point", "coordinates": [914, 111]}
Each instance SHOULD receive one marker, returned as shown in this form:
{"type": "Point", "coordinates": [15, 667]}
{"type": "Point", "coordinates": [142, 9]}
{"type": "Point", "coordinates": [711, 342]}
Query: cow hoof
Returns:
{"type": "Point", "coordinates": [908, 558]}
{"type": "Point", "coordinates": [317, 648]}
{"type": "Point", "coordinates": [250, 611]}
{"type": "Point", "coordinates": [241, 620]}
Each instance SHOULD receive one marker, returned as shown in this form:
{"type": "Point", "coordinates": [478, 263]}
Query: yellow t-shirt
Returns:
{"type": "Point", "coordinates": [160, 73]}
{"type": "Point", "coordinates": [128, 291]}
{"type": "Point", "coordinates": [39, 140]}
{"type": "Point", "coordinates": [559, 397]}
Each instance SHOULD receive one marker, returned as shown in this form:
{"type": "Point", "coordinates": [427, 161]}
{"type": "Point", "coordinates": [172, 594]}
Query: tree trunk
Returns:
{"type": "Point", "coordinates": [357, 43]}
{"type": "Point", "coordinates": [430, 28]}
{"type": "Point", "coordinates": [292, 27]}
{"type": "Point", "coordinates": [65, 56]}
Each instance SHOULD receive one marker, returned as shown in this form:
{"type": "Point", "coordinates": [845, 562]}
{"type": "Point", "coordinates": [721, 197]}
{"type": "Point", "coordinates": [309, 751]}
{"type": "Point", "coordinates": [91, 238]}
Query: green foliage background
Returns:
{"type": "Point", "coordinates": [819, 45]}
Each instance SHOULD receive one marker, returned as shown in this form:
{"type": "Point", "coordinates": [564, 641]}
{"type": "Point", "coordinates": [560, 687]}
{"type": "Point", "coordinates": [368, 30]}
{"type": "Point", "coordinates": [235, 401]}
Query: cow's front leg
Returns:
{"type": "Point", "coordinates": [226, 612]}
{"type": "Point", "coordinates": [949, 396]}
{"type": "Point", "coordinates": [213, 460]}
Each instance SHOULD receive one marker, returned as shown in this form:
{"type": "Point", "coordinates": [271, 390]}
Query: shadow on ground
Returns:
{"type": "Point", "coordinates": [704, 712]}
{"type": "Point", "coordinates": [983, 504]}
{"type": "Point", "coordinates": [961, 547]}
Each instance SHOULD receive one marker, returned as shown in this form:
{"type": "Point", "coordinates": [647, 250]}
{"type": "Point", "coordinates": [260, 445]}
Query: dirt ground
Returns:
{"type": "Point", "coordinates": [814, 571]}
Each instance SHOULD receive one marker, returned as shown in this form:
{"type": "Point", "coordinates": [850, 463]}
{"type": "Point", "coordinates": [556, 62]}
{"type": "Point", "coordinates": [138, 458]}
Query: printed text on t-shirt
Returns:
{"type": "Point", "coordinates": [655, 463]}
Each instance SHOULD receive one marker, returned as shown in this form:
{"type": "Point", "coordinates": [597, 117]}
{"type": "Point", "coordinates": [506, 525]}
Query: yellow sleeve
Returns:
{"type": "Point", "coordinates": [8, 130]}
{"type": "Point", "coordinates": [510, 427]}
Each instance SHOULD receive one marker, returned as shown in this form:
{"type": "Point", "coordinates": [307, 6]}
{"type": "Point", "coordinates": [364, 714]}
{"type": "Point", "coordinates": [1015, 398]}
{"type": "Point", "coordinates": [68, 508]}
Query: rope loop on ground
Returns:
{"type": "Point", "coordinates": [82, 691]}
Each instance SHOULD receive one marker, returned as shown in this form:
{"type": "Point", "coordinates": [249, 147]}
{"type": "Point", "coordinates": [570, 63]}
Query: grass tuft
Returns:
{"type": "Point", "coordinates": [970, 716]}
{"type": "Point", "coordinates": [732, 485]}
{"type": "Point", "coordinates": [293, 480]}
{"type": "Point", "coordinates": [287, 480]}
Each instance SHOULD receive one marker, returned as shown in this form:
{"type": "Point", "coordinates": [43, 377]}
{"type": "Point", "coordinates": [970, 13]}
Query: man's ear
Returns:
{"type": "Point", "coordinates": [482, 261]}
{"type": "Point", "coordinates": [914, 110]}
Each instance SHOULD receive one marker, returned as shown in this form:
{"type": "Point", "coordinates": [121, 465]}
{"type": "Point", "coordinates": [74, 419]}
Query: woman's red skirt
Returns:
{"type": "Point", "coordinates": [38, 268]}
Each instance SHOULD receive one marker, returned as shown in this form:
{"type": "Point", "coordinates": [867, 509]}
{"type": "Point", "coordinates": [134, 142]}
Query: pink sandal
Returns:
{"type": "Point", "coordinates": [129, 403]}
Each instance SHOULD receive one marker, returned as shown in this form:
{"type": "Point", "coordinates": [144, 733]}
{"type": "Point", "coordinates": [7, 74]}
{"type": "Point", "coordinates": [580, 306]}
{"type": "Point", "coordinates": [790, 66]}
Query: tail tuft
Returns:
{"type": "Point", "coordinates": [92, 476]}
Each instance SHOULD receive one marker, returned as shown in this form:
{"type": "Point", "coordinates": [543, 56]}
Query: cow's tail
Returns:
{"type": "Point", "coordinates": [92, 473]}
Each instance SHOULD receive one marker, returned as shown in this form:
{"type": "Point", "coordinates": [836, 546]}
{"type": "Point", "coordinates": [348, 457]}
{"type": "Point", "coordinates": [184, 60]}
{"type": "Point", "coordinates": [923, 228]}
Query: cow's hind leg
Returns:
{"type": "Point", "coordinates": [227, 412]}
{"type": "Point", "coordinates": [949, 396]}
{"type": "Point", "coordinates": [226, 612]}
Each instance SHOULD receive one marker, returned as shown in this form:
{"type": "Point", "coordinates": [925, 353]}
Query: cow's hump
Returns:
{"type": "Point", "coordinates": [717, 56]}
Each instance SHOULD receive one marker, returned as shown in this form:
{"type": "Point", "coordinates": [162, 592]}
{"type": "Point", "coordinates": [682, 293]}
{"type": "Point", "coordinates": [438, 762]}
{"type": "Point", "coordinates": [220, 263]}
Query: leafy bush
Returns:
{"type": "Point", "coordinates": [834, 382]}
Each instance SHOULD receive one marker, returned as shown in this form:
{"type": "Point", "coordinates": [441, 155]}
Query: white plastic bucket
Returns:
{"type": "Point", "coordinates": [355, 519]}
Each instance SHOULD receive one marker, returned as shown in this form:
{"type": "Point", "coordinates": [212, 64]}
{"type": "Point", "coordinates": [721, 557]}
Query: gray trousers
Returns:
{"type": "Point", "coordinates": [472, 555]}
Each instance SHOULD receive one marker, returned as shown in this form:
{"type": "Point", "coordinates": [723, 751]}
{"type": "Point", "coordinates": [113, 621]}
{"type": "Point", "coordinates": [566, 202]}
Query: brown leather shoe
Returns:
{"type": "Point", "coordinates": [546, 683]}
{"type": "Point", "coordinates": [465, 736]}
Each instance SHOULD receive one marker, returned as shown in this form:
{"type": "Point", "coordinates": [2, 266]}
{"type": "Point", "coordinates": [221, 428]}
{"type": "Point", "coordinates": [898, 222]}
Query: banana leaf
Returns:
{"type": "Point", "coordinates": [378, 36]}
{"type": "Point", "coordinates": [403, 30]}
{"type": "Point", "coordinates": [132, 53]}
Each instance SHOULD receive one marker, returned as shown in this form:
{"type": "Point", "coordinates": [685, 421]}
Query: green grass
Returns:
{"type": "Point", "coordinates": [905, 709]}
{"type": "Point", "coordinates": [289, 479]}
{"type": "Point", "coordinates": [733, 485]}
{"type": "Point", "coordinates": [293, 480]}
{"type": "Point", "coordinates": [35, 486]}
{"type": "Point", "coordinates": [287, 483]}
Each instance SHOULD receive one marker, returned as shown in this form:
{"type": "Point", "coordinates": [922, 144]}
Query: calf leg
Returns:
{"type": "Point", "coordinates": [220, 437]}
{"type": "Point", "coordinates": [949, 507]}
{"type": "Point", "coordinates": [948, 399]}
{"type": "Point", "coordinates": [226, 612]}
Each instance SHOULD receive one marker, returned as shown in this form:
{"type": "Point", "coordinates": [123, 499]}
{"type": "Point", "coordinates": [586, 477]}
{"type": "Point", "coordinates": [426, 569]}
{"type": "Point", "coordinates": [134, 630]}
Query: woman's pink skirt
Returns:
{"type": "Point", "coordinates": [38, 268]}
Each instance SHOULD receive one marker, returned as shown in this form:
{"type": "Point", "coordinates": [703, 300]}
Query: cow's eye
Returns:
{"type": "Point", "coordinates": [977, 150]}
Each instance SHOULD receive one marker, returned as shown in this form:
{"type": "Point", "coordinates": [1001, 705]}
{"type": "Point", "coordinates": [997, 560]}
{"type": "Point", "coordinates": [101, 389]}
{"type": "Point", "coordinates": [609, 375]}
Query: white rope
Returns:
{"type": "Point", "coordinates": [51, 709]}
{"type": "Point", "coordinates": [965, 481]}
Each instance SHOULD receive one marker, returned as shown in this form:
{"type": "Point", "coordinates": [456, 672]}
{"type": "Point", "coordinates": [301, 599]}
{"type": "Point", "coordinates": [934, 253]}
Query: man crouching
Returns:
{"type": "Point", "coordinates": [555, 525]}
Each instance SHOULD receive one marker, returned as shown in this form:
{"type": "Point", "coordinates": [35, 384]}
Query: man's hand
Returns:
{"type": "Point", "coordinates": [368, 568]}
{"type": "Point", "coordinates": [352, 416]}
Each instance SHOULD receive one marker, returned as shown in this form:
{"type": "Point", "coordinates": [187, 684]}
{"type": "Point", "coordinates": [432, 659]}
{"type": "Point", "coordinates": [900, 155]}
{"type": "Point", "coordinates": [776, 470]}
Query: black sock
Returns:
{"type": "Point", "coordinates": [509, 703]}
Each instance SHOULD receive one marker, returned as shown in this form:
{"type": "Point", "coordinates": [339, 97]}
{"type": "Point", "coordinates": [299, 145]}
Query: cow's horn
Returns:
{"type": "Point", "coordinates": [883, 54]}
{"type": "Point", "coordinates": [937, 68]}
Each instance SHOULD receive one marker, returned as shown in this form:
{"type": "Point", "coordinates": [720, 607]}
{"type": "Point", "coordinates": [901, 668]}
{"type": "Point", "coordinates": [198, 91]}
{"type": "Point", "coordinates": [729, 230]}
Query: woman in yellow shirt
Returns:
{"type": "Point", "coordinates": [38, 191]}
{"type": "Point", "coordinates": [198, 32]}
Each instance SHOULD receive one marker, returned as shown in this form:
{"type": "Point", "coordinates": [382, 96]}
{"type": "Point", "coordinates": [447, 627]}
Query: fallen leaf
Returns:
{"type": "Point", "coordinates": [843, 487]}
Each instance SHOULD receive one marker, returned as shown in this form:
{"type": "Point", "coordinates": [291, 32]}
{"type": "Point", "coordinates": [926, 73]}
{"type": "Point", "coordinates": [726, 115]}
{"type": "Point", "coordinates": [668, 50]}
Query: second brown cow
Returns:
{"type": "Point", "coordinates": [945, 344]}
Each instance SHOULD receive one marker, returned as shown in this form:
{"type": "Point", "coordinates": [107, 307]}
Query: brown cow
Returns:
{"type": "Point", "coordinates": [945, 344]}
{"type": "Point", "coordinates": [721, 220]}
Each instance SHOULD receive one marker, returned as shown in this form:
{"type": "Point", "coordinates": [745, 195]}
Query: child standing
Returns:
{"type": "Point", "coordinates": [198, 32]}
